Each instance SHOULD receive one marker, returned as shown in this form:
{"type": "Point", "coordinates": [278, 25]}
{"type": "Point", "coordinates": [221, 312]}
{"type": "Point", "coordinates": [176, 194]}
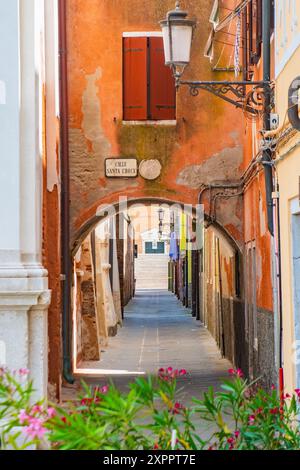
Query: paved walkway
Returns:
{"type": "Point", "coordinates": [159, 332]}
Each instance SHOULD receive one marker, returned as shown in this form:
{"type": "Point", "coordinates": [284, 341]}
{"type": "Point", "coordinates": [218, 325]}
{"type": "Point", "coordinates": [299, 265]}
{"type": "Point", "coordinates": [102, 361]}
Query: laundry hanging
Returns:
{"type": "Point", "coordinates": [237, 67]}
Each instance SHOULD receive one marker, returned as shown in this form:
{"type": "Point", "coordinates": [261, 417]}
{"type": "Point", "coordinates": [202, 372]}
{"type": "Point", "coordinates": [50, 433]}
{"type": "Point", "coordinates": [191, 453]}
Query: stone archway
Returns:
{"type": "Point", "coordinates": [218, 248]}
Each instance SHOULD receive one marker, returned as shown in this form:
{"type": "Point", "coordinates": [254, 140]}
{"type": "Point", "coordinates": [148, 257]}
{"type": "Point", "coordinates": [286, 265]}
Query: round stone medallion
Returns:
{"type": "Point", "coordinates": [150, 169]}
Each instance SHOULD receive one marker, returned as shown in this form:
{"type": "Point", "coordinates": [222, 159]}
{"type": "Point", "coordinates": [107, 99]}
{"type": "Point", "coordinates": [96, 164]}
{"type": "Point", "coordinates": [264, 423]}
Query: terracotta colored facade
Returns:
{"type": "Point", "coordinates": [210, 143]}
{"type": "Point", "coordinates": [188, 150]}
{"type": "Point", "coordinates": [258, 243]}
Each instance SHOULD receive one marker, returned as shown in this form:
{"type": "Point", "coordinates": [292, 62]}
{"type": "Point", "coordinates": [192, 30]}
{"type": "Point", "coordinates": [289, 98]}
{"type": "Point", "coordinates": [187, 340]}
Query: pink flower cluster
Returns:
{"type": "Point", "coordinates": [23, 372]}
{"type": "Point", "coordinates": [178, 407]}
{"type": "Point", "coordinates": [34, 421]}
{"type": "Point", "coordinates": [275, 411]}
{"type": "Point", "coordinates": [233, 439]}
{"type": "Point", "coordinates": [236, 372]}
{"type": "Point", "coordinates": [170, 373]}
{"type": "Point", "coordinates": [252, 418]}
{"type": "Point", "coordinates": [103, 390]}
{"type": "Point", "coordinates": [87, 401]}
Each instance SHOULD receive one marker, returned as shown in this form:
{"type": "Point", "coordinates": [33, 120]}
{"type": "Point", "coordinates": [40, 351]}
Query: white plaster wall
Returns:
{"type": "Point", "coordinates": [9, 132]}
{"type": "Point", "coordinates": [24, 294]}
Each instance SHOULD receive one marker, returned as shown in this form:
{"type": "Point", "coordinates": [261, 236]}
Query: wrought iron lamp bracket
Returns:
{"type": "Point", "coordinates": [252, 101]}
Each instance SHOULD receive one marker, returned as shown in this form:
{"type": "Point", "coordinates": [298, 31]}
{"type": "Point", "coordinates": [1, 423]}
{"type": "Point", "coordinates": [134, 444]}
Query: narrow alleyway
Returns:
{"type": "Point", "coordinates": [159, 332]}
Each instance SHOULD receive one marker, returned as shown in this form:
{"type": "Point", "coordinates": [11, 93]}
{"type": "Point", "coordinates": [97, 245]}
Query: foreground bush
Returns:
{"type": "Point", "coordinates": [151, 415]}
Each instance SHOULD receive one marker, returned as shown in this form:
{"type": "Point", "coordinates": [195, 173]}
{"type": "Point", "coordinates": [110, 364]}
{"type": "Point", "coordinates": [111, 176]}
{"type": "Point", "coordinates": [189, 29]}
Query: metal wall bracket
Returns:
{"type": "Point", "coordinates": [251, 100]}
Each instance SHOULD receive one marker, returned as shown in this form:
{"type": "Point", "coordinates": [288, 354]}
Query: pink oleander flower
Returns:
{"type": "Point", "coordinates": [177, 408]}
{"type": "Point", "coordinates": [37, 409]}
{"type": "Point", "coordinates": [237, 372]}
{"type": "Point", "coordinates": [237, 434]}
{"type": "Point", "coordinates": [231, 442]}
{"type": "Point", "coordinates": [273, 387]}
{"type": "Point", "coordinates": [297, 391]}
{"type": "Point", "coordinates": [274, 411]}
{"type": "Point", "coordinates": [35, 429]}
{"type": "Point", "coordinates": [259, 411]}
{"type": "Point", "coordinates": [169, 370]}
{"type": "Point", "coordinates": [251, 420]}
{"type": "Point", "coordinates": [182, 372]}
{"type": "Point", "coordinates": [103, 390]}
{"type": "Point", "coordinates": [23, 371]}
{"type": "Point", "coordinates": [51, 412]}
{"type": "Point", "coordinates": [23, 416]}
{"type": "Point", "coordinates": [86, 401]}
{"type": "Point", "coordinates": [287, 396]}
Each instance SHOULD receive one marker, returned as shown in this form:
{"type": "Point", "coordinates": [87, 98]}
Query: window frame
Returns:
{"type": "Point", "coordinates": [150, 120]}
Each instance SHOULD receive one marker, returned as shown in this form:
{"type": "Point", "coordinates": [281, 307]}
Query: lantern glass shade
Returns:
{"type": "Point", "coordinates": [177, 31]}
{"type": "Point", "coordinates": [161, 215]}
{"type": "Point", "coordinates": [177, 40]}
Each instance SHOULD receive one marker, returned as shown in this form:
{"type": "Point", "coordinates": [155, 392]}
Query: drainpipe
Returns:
{"type": "Point", "coordinates": [268, 168]}
{"type": "Point", "coordinates": [267, 155]}
{"type": "Point", "coordinates": [66, 261]}
{"type": "Point", "coordinates": [281, 374]}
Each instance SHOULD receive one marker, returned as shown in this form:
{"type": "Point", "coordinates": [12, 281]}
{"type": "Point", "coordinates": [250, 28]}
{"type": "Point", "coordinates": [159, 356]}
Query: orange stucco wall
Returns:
{"type": "Point", "coordinates": [255, 210]}
{"type": "Point", "coordinates": [203, 146]}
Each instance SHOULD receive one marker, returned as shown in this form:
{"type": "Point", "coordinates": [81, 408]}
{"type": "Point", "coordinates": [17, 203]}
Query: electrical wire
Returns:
{"type": "Point", "coordinates": [232, 15]}
{"type": "Point", "coordinates": [223, 48]}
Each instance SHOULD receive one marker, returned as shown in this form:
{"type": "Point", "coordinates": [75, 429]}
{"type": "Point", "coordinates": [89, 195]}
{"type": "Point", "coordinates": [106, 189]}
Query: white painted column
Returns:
{"type": "Point", "coordinates": [24, 295]}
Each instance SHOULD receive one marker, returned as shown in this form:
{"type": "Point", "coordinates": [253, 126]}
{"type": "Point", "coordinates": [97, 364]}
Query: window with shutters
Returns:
{"type": "Point", "coordinates": [148, 84]}
{"type": "Point", "coordinates": [254, 31]}
{"type": "Point", "coordinates": [252, 36]}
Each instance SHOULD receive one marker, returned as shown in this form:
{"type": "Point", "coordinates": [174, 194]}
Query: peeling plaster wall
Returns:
{"type": "Point", "coordinates": [95, 107]}
{"type": "Point", "coordinates": [89, 340]}
{"type": "Point", "coordinates": [224, 165]}
{"type": "Point", "coordinates": [222, 305]}
{"type": "Point", "coordinates": [51, 196]}
{"type": "Point", "coordinates": [256, 234]}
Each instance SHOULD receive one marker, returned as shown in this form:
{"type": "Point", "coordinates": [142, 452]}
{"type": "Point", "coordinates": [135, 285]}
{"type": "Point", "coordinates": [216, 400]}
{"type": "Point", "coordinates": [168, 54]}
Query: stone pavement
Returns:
{"type": "Point", "coordinates": [159, 332]}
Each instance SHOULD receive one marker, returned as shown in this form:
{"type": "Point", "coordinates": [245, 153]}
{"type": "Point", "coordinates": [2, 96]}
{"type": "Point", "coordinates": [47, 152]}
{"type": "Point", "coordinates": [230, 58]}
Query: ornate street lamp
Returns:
{"type": "Point", "coordinates": [161, 215]}
{"type": "Point", "coordinates": [177, 36]}
{"type": "Point", "coordinates": [177, 32]}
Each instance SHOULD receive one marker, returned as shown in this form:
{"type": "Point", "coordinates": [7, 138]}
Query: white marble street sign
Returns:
{"type": "Point", "coordinates": [121, 167]}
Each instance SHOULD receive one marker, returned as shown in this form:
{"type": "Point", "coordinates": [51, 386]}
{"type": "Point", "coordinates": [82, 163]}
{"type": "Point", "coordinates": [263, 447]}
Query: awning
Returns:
{"type": "Point", "coordinates": [214, 16]}
{"type": "Point", "coordinates": [221, 25]}
{"type": "Point", "coordinates": [218, 25]}
{"type": "Point", "coordinates": [209, 46]}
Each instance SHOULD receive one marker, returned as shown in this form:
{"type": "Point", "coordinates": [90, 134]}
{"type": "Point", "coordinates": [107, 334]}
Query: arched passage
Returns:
{"type": "Point", "coordinates": [203, 279]}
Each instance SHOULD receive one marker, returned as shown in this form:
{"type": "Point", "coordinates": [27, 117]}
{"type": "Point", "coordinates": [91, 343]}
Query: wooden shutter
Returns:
{"type": "Point", "coordinates": [134, 78]}
{"type": "Point", "coordinates": [250, 32]}
{"type": "Point", "coordinates": [162, 93]}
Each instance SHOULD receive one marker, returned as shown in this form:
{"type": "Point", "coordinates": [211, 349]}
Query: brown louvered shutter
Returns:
{"type": "Point", "coordinates": [134, 78]}
{"type": "Point", "coordinates": [259, 27]}
{"type": "Point", "coordinates": [162, 93]}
